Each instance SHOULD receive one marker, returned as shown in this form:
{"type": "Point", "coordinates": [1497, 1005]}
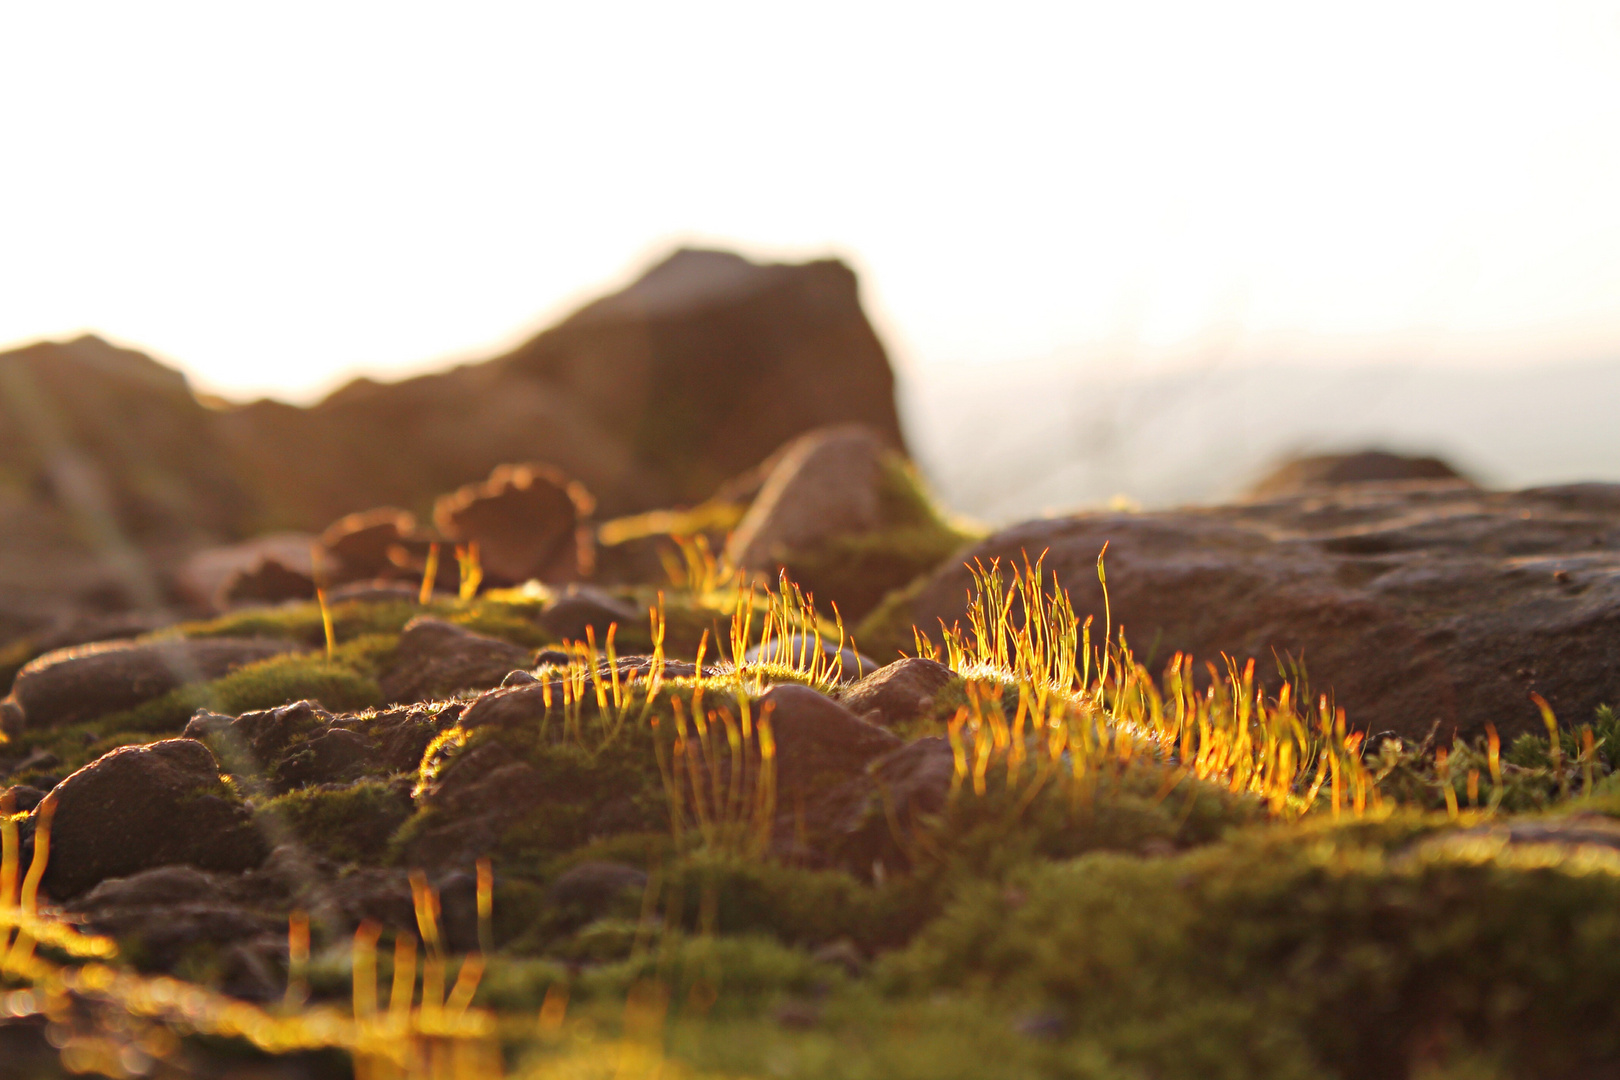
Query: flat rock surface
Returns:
{"type": "Point", "coordinates": [1415, 602]}
{"type": "Point", "coordinates": [71, 685]}
{"type": "Point", "coordinates": [436, 658]}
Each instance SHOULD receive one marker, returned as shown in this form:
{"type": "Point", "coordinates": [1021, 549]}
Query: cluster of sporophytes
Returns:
{"type": "Point", "coordinates": [1177, 875]}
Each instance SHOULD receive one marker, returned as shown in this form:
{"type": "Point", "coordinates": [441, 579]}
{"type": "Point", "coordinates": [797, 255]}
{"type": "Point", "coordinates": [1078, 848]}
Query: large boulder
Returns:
{"type": "Point", "coordinates": [1414, 603]}
{"type": "Point", "coordinates": [651, 396]}
{"type": "Point", "coordinates": [71, 685]}
{"type": "Point", "coordinates": [139, 807]}
{"type": "Point", "coordinates": [360, 543]}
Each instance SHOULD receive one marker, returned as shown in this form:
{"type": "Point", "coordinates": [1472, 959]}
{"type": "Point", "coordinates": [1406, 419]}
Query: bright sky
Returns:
{"type": "Point", "coordinates": [279, 196]}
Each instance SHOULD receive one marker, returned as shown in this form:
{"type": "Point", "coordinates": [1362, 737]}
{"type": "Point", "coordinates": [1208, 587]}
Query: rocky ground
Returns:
{"type": "Point", "coordinates": [800, 777]}
{"type": "Point", "coordinates": [915, 878]}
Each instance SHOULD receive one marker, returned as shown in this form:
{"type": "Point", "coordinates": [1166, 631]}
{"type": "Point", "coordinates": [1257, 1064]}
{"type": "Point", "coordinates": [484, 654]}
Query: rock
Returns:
{"type": "Point", "coordinates": [798, 651]}
{"type": "Point", "coordinates": [360, 542]}
{"type": "Point", "coordinates": [1559, 837]}
{"type": "Point", "coordinates": [819, 743]}
{"type": "Point", "coordinates": [334, 756]}
{"type": "Point", "coordinates": [650, 397]}
{"type": "Point", "coordinates": [527, 521]}
{"type": "Point", "coordinates": [593, 886]}
{"type": "Point", "coordinates": [207, 575]}
{"type": "Point", "coordinates": [171, 910]}
{"type": "Point", "coordinates": [436, 658]}
{"type": "Point", "coordinates": [71, 685]}
{"type": "Point", "coordinates": [140, 807]}
{"type": "Point", "coordinates": [899, 693]}
{"type": "Point", "coordinates": [861, 824]}
{"type": "Point", "coordinates": [846, 519]}
{"type": "Point", "coordinates": [824, 483]}
{"type": "Point", "coordinates": [300, 744]}
{"type": "Point", "coordinates": [458, 911]}
{"type": "Point", "coordinates": [91, 629]}
{"type": "Point", "coordinates": [24, 798]}
{"type": "Point", "coordinates": [583, 606]}
{"type": "Point", "coordinates": [478, 797]}
{"type": "Point", "coordinates": [1413, 603]}
{"type": "Point", "coordinates": [86, 409]}
{"type": "Point", "coordinates": [268, 582]}
{"type": "Point", "coordinates": [1368, 466]}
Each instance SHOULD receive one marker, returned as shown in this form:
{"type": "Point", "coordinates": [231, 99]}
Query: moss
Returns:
{"type": "Point", "coordinates": [349, 824]}
{"type": "Point", "coordinates": [1292, 952]}
{"type": "Point", "coordinates": [747, 973]}
{"type": "Point", "coordinates": [336, 684]}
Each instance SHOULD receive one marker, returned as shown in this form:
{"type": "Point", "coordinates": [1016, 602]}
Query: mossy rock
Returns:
{"type": "Point", "coordinates": [350, 824]}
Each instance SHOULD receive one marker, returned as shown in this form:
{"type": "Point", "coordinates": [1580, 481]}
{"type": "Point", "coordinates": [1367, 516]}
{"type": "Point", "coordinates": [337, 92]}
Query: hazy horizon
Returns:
{"type": "Point", "coordinates": [277, 203]}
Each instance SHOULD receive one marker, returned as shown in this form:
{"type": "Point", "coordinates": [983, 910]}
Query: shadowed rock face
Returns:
{"type": "Point", "coordinates": [1413, 602]}
{"type": "Point", "coordinates": [144, 806]}
{"type": "Point", "coordinates": [651, 396]}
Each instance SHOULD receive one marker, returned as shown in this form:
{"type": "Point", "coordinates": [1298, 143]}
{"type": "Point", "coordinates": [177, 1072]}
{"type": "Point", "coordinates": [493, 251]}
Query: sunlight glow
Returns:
{"type": "Point", "coordinates": [279, 198]}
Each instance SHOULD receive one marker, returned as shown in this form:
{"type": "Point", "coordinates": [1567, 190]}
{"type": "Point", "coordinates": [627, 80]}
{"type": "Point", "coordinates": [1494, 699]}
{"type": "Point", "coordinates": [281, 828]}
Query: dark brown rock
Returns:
{"type": "Point", "coordinates": [71, 685]}
{"type": "Point", "coordinates": [301, 743]}
{"type": "Point", "coordinates": [526, 520]}
{"type": "Point", "coordinates": [903, 691]}
{"type": "Point", "coordinates": [478, 797]}
{"type": "Point", "coordinates": [140, 807]}
{"type": "Point", "coordinates": [170, 910]}
{"type": "Point", "coordinates": [270, 581]}
{"type": "Point", "coordinates": [1414, 603]}
{"type": "Point", "coordinates": [819, 743]}
{"type": "Point", "coordinates": [207, 575]}
{"type": "Point", "coordinates": [436, 658]}
{"type": "Point", "coordinates": [360, 542]}
{"type": "Point", "coordinates": [592, 886]}
{"type": "Point", "coordinates": [581, 607]}
{"type": "Point", "coordinates": [867, 822]}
